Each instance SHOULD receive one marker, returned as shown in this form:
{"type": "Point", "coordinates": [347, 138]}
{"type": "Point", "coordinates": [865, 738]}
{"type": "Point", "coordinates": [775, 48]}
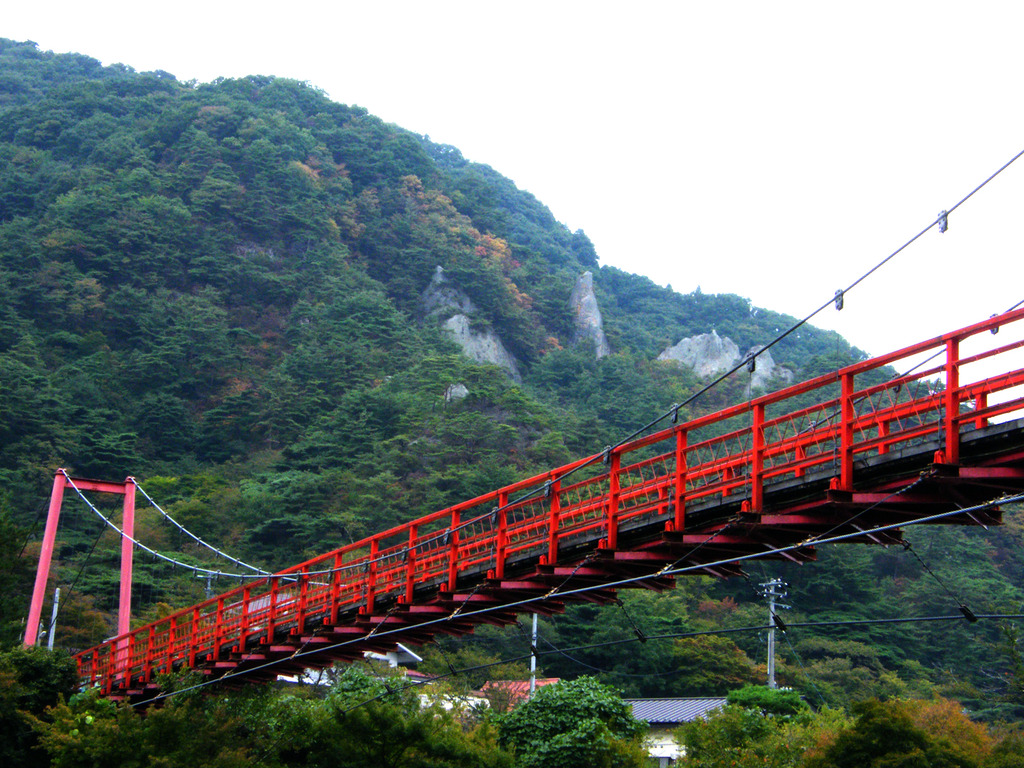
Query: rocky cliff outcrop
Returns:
{"type": "Point", "coordinates": [589, 326]}
{"type": "Point", "coordinates": [443, 299]}
{"type": "Point", "coordinates": [709, 354]}
{"type": "Point", "coordinates": [483, 346]}
{"type": "Point", "coordinates": [767, 372]}
{"type": "Point", "coordinates": [454, 310]}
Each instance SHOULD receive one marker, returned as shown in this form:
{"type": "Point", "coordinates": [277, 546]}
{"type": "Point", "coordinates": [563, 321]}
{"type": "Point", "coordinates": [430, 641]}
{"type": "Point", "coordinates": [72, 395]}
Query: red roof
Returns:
{"type": "Point", "coordinates": [517, 691]}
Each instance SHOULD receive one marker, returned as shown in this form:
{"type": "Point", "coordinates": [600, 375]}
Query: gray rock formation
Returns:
{"type": "Point", "coordinates": [443, 299]}
{"type": "Point", "coordinates": [767, 371]}
{"type": "Point", "coordinates": [481, 346]}
{"type": "Point", "coordinates": [453, 309]}
{"type": "Point", "coordinates": [589, 327]}
{"type": "Point", "coordinates": [710, 355]}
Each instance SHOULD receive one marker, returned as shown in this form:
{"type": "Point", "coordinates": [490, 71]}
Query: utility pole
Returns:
{"type": "Point", "coordinates": [209, 586]}
{"type": "Point", "coordinates": [53, 619]}
{"type": "Point", "coordinates": [773, 591]}
{"type": "Point", "coordinates": [533, 658]}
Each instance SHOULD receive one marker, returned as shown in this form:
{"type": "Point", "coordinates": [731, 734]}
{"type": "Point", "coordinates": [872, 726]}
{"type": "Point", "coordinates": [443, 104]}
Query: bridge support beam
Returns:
{"type": "Point", "coordinates": [45, 556]}
{"type": "Point", "coordinates": [60, 482]}
{"type": "Point", "coordinates": [124, 609]}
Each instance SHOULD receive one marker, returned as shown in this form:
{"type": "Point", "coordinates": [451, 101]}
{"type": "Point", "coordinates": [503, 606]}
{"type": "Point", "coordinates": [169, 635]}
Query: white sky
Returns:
{"type": "Point", "coordinates": [776, 150]}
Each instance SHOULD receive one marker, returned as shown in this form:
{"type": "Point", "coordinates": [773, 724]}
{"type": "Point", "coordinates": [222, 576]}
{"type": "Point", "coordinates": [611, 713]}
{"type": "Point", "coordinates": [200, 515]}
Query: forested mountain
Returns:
{"type": "Point", "coordinates": [219, 289]}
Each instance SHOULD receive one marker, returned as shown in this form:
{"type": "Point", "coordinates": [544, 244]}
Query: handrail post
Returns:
{"type": "Point", "coordinates": [757, 459]}
{"type": "Point", "coordinates": [300, 617]}
{"type": "Point", "coordinates": [952, 401]}
{"type": "Point", "coordinates": [680, 479]}
{"type": "Point", "coordinates": [613, 499]}
{"type": "Point", "coordinates": [218, 628]}
{"type": "Point", "coordinates": [371, 576]}
{"type": "Point", "coordinates": [410, 564]}
{"type": "Point", "coordinates": [453, 552]}
{"type": "Point", "coordinates": [243, 630]}
{"type": "Point", "coordinates": [554, 518]}
{"type": "Point", "coordinates": [172, 625]}
{"type": "Point", "coordinates": [147, 667]}
{"type": "Point", "coordinates": [194, 638]}
{"type": "Point", "coordinates": [108, 675]}
{"type": "Point", "coordinates": [846, 433]}
{"type": "Point", "coordinates": [980, 404]}
{"type": "Point", "coordinates": [275, 583]}
{"type": "Point", "coordinates": [92, 668]}
{"type": "Point", "coordinates": [502, 542]}
{"type": "Point", "coordinates": [129, 660]}
{"type": "Point", "coordinates": [336, 587]}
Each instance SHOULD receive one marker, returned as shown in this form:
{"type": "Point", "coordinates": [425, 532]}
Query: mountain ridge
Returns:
{"type": "Point", "coordinates": [219, 288]}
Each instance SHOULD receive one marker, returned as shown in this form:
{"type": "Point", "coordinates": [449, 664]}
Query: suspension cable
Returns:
{"type": "Point", "coordinates": [604, 644]}
{"type": "Point", "coordinates": [1005, 499]}
{"type": "Point", "coordinates": [195, 538]}
{"type": "Point", "coordinates": [187, 566]}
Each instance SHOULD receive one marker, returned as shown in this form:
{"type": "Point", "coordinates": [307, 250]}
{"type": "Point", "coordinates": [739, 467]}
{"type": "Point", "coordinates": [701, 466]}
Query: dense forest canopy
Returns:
{"type": "Point", "coordinates": [217, 288]}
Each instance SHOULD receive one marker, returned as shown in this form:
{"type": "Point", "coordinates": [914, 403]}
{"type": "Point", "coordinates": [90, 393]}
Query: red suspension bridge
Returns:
{"type": "Point", "coordinates": [852, 455]}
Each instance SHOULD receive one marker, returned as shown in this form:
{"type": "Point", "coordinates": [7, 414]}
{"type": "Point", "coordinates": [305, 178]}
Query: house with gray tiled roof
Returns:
{"type": "Point", "coordinates": [664, 716]}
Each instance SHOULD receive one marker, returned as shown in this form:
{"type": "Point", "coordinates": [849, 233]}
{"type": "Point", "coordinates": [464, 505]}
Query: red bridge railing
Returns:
{"type": "Point", "coordinates": [823, 426]}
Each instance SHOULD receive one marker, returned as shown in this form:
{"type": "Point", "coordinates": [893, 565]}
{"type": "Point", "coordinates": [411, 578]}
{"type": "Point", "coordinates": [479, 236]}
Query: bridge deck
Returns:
{"type": "Point", "coordinates": [843, 453]}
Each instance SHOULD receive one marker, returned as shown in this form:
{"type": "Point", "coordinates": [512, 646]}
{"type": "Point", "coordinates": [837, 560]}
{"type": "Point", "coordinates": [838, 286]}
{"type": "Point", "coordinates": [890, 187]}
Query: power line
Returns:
{"type": "Point", "coordinates": [195, 538]}
{"type": "Point", "coordinates": [634, 579]}
{"type": "Point", "coordinates": [187, 566]}
{"type": "Point", "coordinates": [803, 668]}
{"type": "Point", "coordinates": [836, 300]}
{"type": "Point", "coordinates": [671, 412]}
{"type": "Point", "coordinates": [33, 527]}
{"type": "Point", "coordinates": [968, 614]}
{"type": "Point", "coordinates": [602, 671]}
{"type": "Point", "coordinates": [74, 582]}
{"type": "Point", "coordinates": [666, 636]}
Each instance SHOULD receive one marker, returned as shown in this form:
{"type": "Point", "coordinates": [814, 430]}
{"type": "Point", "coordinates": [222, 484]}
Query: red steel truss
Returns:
{"type": "Point", "coordinates": [841, 454]}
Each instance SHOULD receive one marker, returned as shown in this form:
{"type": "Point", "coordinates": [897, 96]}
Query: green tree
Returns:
{"type": "Point", "coordinates": [740, 736]}
{"type": "Point", "coordinates": [767, 701]}
{"type": "Point", "coordinates": [16, 576]}
{"type": "Point", "coordinates": [1008, 753]}
{"type": "Point", "coordinates": [577, 724]}
{"type": "Point", "coordinates": [712, 665]}
{"type": "Point", "coordinates": [884, 736]}
{"type": "Point", "coordinates": [358, 724]}
{"type": "Point", "coordinates": [369, 722]}
{"type": "Point", "coordinates": [91, 732]}
{"type": "Point", "coordinates": [31, 679]}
